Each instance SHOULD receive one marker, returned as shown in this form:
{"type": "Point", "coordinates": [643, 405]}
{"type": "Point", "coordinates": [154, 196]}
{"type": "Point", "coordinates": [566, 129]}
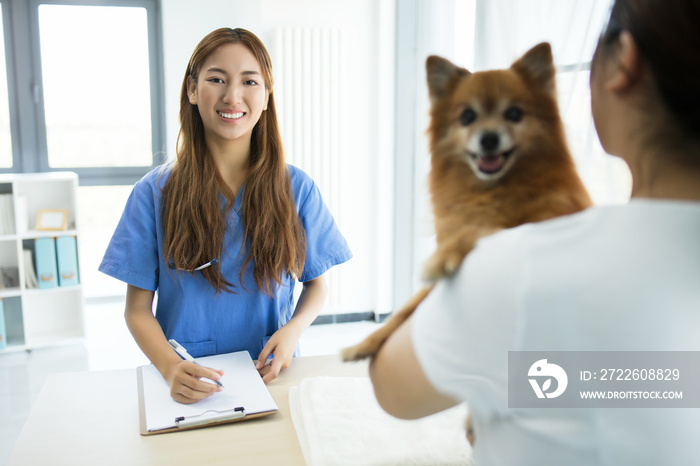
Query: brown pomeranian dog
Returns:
{"type": "Point", "coordinates": [499, 159]}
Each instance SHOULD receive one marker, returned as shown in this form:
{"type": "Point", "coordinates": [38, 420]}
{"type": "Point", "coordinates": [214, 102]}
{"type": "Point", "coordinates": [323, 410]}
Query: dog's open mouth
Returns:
{"type": "Point", "coordinates": [492, 163]}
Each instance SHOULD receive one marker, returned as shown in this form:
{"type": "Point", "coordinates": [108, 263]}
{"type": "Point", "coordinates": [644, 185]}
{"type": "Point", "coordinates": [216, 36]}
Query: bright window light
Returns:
{"type": "Point", "coordinates": [95, 69]}
{"type": "Point", "coordinates": [5, 136]}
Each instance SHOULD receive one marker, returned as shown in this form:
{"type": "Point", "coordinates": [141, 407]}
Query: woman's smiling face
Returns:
{"type": "Point", "coordinates": [230, 94]}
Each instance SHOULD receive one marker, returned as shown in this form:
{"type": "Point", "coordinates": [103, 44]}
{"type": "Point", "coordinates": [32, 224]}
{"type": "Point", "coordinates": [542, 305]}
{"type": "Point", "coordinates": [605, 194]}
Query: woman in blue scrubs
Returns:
{"type": "Point", "coordinates": [224, 232]}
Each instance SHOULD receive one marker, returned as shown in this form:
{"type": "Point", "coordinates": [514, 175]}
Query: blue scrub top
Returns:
{"type": "Point", "coordinates": [188, 309]}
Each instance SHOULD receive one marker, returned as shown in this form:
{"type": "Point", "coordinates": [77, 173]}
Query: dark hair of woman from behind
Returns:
{"type": "Point", "coordinates": [667, 33]}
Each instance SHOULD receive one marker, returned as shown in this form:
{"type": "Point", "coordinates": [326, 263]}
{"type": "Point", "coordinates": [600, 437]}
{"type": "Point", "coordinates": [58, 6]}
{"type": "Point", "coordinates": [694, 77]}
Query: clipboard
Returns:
{"type": "Point", "coordinates": [245, 397]}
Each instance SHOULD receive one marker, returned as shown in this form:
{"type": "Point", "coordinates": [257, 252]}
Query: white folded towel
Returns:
{"type": "Point", "coordinates": [339, 422]}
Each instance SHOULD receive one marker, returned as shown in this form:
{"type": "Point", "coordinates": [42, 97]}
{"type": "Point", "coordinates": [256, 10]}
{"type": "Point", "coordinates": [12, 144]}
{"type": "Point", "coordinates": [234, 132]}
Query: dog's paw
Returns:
{"type": "Point", "coordinates": [471, 437]}
{"type": "Point", "coordinates": [452, 263]}
{"type": "Point", "coordinates": [358, 352]}
{"type": "Point", "coordinates": [434, 270]}
{"type": "Point", "coordinates": [441, 266]}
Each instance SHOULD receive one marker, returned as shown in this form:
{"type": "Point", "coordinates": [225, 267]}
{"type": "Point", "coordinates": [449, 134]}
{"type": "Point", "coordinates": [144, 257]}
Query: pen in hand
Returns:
{"type": "Point", "coordinates": [185, 355]}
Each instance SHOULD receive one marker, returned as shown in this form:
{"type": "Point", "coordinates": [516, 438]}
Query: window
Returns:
{"type": "Point", "coordinates": [88, 89]}
{"type": "Point", "coordinates": [81, 90]}
{"type": "Point", "coordinates": [97, 105]}
{"type": "Point", "coordinates": [99, 211]}
{"type": "Point", "coordinates": [5, 137]}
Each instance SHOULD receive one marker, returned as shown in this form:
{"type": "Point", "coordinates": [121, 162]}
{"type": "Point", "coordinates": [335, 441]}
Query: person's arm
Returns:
{"type": "Point", "coordinates": [284, 341]}
{"type": "Point", "coordinates": [400, 385]}
{"type": "Point", "coordinates": [182, 376]}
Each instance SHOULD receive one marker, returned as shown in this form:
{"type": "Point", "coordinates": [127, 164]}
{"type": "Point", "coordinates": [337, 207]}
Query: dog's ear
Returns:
{"type": "Point", "coordinates": [440, 72]}
{"type": "Point", "coordinates": [537, 65]}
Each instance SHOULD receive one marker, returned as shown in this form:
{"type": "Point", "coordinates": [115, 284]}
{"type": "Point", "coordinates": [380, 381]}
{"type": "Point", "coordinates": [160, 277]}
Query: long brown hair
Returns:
{"type": "Point", "coordinates": [194, 222]}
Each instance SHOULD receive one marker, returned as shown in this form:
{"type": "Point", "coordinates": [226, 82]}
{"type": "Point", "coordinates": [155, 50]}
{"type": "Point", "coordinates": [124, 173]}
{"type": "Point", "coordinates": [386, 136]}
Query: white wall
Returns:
{"type": "Point", "coordinates": [367, 89]}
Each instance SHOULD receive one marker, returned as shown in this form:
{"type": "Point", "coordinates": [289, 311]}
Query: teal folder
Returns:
{"type": "Point", "coordinates": [3, 332]}
{"type": "Point", "coordinates": [67, 257]}
{"type": "Point", "coordinates": [46, 271]}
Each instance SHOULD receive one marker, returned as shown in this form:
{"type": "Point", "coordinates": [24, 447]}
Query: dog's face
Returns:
{"type": "Point", "coordinates": [488, 130]}
{"type": "Point", "coordinates": [491, 119]}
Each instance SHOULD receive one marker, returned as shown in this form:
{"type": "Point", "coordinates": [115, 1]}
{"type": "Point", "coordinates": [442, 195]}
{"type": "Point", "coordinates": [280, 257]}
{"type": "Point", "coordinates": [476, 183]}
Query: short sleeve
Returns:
{"type": "Point", "coordinates": [132, 254]}
{"type": "Point", "coordinates": [325, 245]}
{"type": "Point", "coordinates": [463, 330]}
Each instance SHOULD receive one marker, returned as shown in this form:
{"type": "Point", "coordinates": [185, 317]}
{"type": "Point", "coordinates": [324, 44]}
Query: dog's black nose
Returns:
{"type": "Point", "coordinates": [489, 141]}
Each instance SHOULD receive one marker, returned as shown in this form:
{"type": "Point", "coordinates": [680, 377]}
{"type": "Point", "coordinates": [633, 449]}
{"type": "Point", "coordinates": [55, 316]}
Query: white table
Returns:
{"type": "Point", "coordinates": [92, 418]}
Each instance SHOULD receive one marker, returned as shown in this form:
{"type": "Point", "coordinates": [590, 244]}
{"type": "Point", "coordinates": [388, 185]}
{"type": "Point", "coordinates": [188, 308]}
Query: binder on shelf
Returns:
{"type": "Point", "coordinates": [3, 328]}
{"type": "Point", "coordinates": [7, 214]}
{"type": "Point", "coordinates": [21, 214]}
{"type": "Point", "coordinates": [245, 397]}
{"type": "Point", "coordinates": [46, 270]}
{"type": "Point", "coordinates": [30, 280]}
{"type": "Point", "coordinates": [67, 257]}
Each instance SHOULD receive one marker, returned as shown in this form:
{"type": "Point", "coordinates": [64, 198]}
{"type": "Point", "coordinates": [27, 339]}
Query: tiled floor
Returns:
{"type": "Point", "coordinates": [108, 345]}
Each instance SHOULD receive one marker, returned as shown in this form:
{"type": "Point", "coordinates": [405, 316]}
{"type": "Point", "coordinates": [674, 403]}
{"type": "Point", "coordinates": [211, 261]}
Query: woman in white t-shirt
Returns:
{"type": "Point", "coordinates": [614, 278]}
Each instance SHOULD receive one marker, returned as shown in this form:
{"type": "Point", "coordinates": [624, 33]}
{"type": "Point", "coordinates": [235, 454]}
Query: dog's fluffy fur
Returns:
{"type": "Point", "coordinates": [499, 159]}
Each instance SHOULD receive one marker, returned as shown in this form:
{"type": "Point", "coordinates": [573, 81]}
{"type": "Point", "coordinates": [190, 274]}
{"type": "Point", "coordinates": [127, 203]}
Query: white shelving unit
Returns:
{"type": "Point", "coordinates": [39, 317]}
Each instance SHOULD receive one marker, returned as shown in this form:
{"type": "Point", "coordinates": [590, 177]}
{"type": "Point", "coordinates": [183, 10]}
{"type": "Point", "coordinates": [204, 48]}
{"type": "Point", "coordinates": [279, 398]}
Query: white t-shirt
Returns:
{"type": "Point", "coordinates": [616, 278]}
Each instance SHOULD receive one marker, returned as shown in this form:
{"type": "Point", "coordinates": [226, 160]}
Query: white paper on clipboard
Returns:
{"type": "Point", "coordinates": [243, 388]}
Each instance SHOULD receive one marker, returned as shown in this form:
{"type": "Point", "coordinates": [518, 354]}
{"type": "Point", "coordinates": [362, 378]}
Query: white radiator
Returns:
{"type": "Point", "coordinates": [306, 69]}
